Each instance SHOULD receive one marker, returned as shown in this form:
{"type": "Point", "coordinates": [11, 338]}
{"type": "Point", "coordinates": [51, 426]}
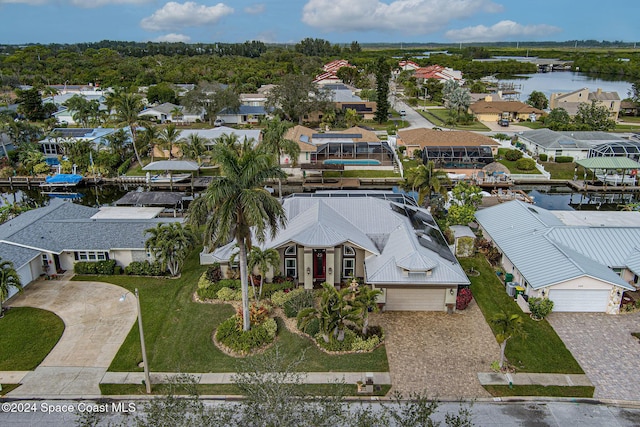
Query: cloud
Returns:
{"type": "Point", "coordinates": [503, 30]}
{"type": "Point", "coordinates": [407, 16]}
{"type": "Point", "coordinates": [173, 38]}
{"type": "Point", "coordinates": [175, 16]}
{"type": "Point", "coordinates": [255, 9]}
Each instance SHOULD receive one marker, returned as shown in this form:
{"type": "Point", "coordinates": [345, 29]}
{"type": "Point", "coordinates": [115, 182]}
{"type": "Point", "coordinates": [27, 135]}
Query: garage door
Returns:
{"type": "Point", "coordinates": [579, 300]}
{"type": "Point", "coordinates": [415, 300]}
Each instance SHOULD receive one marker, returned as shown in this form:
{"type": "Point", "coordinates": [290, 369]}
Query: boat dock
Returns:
{"type": "Point", "coordinates": [583, 186]}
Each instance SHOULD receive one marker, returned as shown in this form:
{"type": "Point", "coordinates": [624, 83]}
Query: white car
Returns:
{"type": "Point", "coordinates": [218, 122]}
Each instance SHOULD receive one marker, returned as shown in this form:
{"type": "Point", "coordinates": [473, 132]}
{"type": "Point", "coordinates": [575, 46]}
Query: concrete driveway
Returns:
{"type": "Point", "coordinates": [96, 324]}
{"type": "Point", "coordinates": [438, 353]}
{"type": "Point", "coordinates": [606, 350]}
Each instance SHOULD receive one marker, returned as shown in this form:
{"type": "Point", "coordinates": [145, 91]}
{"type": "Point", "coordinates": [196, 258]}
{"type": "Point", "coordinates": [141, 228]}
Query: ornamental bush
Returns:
{"type": "Point", "coordinates": [513, 155]}
{"type": "Point", "coordinates": [463, 299]}
{"type": "Point", "coordinates": [365, 344]}
{"type": "Point", "coordinates": [540, 307]}
{"type": "Point", "coordinates": [564, 159]}
{"type": "Point", "coordinates": [214, 273]}
{"type": "Point", "coordinates": [106, 267]}
{"type": "Point", "coordinates": [227, 294]}
{"type": "Point", "coordinates": [245, 341]}
{"type": "Point", "coordinates": [543, 157]}
{"type": "Point", "coordinates": [525, 164]}
{"type": "Point", "coordinates": [144, 268]}
{"type": "Point", "coordinates": [300, 299]}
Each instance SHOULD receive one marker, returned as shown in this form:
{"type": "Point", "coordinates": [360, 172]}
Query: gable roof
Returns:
{"type": "Point", "coordinates": [498, 107]}
{"type": "Point", "coordinates": [545, 259]}
{"type": "Point", "coordinates": [302, 136]}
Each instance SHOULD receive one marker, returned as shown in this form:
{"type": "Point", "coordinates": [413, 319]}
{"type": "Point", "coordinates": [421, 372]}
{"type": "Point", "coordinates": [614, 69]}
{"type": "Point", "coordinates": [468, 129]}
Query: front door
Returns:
{"type": "Point", "coordinates": [319, 265]}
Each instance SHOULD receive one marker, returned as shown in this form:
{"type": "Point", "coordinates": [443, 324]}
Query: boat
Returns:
{"type": "Point", "coordinates": [617, 179]}
{"type": "Point", "coordinates": [62, 180]}
{"type": "Point", "coordinates": [63, 195]}
{"type": "Point", "coordinates": [167, 178]}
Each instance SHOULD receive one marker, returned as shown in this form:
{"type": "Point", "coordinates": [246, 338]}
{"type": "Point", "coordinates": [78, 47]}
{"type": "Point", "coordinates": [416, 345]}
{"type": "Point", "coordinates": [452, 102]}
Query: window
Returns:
{"type": "Point", "coordinates": [91, 256]}
{"type": "Point", "coordinates": [348, 267]}
{"type": "Point", "coordinates": [290, 250]}
{"type": "Point", "coordinates": [348, 251]}
{"type": "Point", "coordinates": [290, 267]}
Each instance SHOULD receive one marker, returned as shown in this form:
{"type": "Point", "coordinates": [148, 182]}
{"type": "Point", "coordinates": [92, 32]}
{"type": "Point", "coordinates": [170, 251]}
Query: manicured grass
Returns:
{"type": "Point", "coordinates": [28, 335]}
{"type": "Point", "coordinates": [565, 170]}
{"type": "Point", "coordinates": [439, 116]}
{"type": "Point", "coordinates": [178, 332]}
{"type": "Point", "coordinates": [513, 169]}
{"type": "Point", "coordinates": [232, 389]}
{"type": "Point", "coordinates": [6, 388]}
{"type": "Point", "coordinates": [539, 390]}
{"type": "Point", "coordinates": [627, 128]}
{"type": "Point", "coordinates": [531, 125]}
{"type": "Point", "coordinates": [542, 350]}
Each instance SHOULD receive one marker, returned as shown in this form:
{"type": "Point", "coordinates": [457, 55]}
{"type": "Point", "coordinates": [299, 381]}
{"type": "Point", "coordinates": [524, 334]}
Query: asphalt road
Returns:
{"type": "Point", "coordinates": [529, 413]}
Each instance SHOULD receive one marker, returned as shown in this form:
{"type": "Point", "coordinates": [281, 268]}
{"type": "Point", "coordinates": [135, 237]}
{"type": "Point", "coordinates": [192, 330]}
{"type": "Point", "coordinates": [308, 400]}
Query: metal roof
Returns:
{"type": "Point", "coordinates": [527, 235]}
{"type": "Point", "coordinates": [172, 165]}
{"type": "Point", "coordinates": [608, 163]}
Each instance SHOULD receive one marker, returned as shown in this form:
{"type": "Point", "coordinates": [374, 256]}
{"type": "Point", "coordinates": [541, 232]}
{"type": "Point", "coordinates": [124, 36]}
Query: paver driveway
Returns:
{"type": "Point", "coordinates": [96, 324]}
{"type": "Point", "coordinates": [439, 353]}
{"type": "Point", "coordinates": [604, 347]}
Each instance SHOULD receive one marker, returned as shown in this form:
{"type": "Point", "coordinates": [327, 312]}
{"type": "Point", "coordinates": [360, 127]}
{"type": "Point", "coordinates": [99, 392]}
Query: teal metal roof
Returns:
{"type": "Point", "coordinates": [608, 163]}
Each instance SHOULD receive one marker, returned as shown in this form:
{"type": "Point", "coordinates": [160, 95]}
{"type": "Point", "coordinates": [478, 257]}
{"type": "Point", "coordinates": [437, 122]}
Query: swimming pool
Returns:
{"type": "Point", "coordinates": [367, 162]}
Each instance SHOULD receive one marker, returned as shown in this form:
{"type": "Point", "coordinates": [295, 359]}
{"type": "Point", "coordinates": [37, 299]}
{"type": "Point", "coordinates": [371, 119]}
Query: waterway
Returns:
{"type": "Point", "coordinates": [566, 81]}
{"type": "Point", "coordinates": [562, 198]}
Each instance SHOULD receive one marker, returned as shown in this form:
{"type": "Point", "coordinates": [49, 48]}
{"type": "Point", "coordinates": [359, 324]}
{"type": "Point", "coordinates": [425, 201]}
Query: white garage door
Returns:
{"type": "Point", "coordinates": [415, 300]}
{"type": "Point", "coordinates": [579, 300]}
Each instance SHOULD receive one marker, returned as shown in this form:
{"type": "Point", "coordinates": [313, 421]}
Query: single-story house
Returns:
{"type": "Point", "coordinates": [437, 72]}
{"type": "Point", "coordinates": [455, 148]}
{"type": "Point", "coordinates": [53, 238]}
{"type": "Point", "coordinates": [380, 237]}
{"type": "Point", "coordinates": [168, 112]}
{"type": "Point", "coordinates": [571, 101]}
{"type": "Point", "coordinates": [212, 135]}
{"type": "Point", "coordinates": [581, 267]}
{"type": "Point", "coordinates": [51, 145]}
{"type": "Point", "coordinates": [245, 114]}
{"type": "Point", "coordinates": [302, 136]}
{"type": "Point", "coordinates": [488, 110]}
{"type": "Point", "coordinates": [576, 144]}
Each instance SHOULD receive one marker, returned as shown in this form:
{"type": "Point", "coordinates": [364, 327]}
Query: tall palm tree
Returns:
{"type": "Point", "coordinates": [262, 260]}
{"type": "Point", "coordinates": [194, 147]}
{"type": "Point", "coordinates": [170, 244]}
{"type": "Point", "coordinates": [9, 278]}
{"type": "Point", "coordinates": [367, 301]}
{"type": "Point", "coordinates": [169, 137]}
{"type": "Point", "coordinates": [427, 181]}
{"type": "Point", "coordinates": [237, 205]}
{"type": "Point", "coordinates": [351, 117]}
{"type": "Point", "coordinates": [274, 142]}
{"type": "Point", "coordinates": [127, 107]}
{"type": "Point", "coordinates": [148, 139]}
{"type": "Point", "coordinates": [507, 326]}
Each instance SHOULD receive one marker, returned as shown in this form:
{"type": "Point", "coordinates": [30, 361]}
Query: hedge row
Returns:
{"type": "Point", "coordinates": [107, 267]}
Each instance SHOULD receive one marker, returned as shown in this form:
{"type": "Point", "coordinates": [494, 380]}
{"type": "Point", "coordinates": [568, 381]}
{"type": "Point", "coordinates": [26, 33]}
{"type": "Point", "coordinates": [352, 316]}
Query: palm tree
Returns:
{"type": "Point", "coordinates": [367, 301]}
{"type": "Point", "coordinates": [9, 278]}
{"type": "Point", "coordinates": [262, 260]}
{"type": "Point", "coordinates": [274, 142]}
{"type": "Point", "coordinates": [176, 114]}
{"type": "Point", "coordinates": [237, 205]}
{"type": "Point", "coordinates": [427, 181]}
{"type": "Point", "coordinates": [507, 326]}
{"type": "Point", "coordinates": [351, 117]}
{"type": "Point", "coordinates": [149, 138]}
{"type": "Point", "coordinates": [169, 136]}
{"type": "Point", "coordinates": [337, 308]}
{"type": "Point", "coordinates": [194, 147]}
{"type": "Point", "coordinates": [127, 106]}
{"type": "Point", "coordinates": [170, 244]}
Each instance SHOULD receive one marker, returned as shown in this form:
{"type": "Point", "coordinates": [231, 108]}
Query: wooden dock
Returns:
{"type": "Point", "coordinates": [587, 187]}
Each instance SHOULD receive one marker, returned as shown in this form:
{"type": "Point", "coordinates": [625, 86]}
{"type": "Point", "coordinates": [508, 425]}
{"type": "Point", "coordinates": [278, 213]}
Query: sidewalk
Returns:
{"type": "Point", "coordinates": [524, 378]}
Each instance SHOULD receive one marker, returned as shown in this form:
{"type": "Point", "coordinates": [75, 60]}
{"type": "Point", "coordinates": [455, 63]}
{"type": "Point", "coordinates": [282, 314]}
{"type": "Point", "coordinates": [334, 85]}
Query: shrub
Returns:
{"type": "Point", "coordinates": [543, 157]}
{"type": "Point", "coordinates": [278, 298]}
{"type": "Point", "coordinates": [540, 307]}
{"type": "Point", "coordinates": [271, 326]}
{"type": "Point", "coordinates": [463, 299]}
{"type": "Point", "coordinates": [300, 299]}
{"type": "Point", "coordinates": [84, 268]}
{"type": "Point", "coordinates": [501, 136]}
{"type": "Point", "coordinates": [564, 159]}
{"type": "Point", "coordinates": [144, 268]}
{"type": "Point", "coordinates": [214, 273]}
{"type": "Point", "coordinates": [124, 167]}
{"type": "Point", "coordinates": [365, 344]}
{"type": "Point", "coordinates": [227, 294]}
{"type": "Point", "coordinates": [312, 327]}
{"type": "Point", "coordinates": [335, 345]}
{"type": "Point", "coordinates": [203, 282]}
{"type": "Point", "coordinates": [513, 155]}
{"type": "Point", "coordinates": [269, 288]}
{"type": "Point", "coordinates": [207, 293]}
{"type": "Point", "coordinates": [525, 164]}
{"type": "Point", "coordinates": [241, 341]}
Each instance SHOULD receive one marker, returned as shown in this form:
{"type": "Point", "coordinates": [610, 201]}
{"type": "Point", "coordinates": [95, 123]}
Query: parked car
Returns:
{"type": "Point", "coordinates": [218, 122]}
{"type": "Point", "coordinates": [503, 122]}
{"type": "Point", "coordinates": [403, 113]}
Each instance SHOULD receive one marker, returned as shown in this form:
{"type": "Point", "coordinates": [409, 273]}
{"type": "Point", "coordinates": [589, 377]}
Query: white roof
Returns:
{"type": "Point", "coordinates": [125, 212]}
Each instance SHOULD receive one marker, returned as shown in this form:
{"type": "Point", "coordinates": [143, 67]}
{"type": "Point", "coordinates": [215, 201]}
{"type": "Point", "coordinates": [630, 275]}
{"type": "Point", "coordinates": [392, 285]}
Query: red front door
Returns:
{"type": "Point", "coordinates": [319, 265]}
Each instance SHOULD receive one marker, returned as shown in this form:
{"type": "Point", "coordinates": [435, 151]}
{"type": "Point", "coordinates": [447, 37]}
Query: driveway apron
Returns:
{"type": "Point", "coordinates": [96, 325]}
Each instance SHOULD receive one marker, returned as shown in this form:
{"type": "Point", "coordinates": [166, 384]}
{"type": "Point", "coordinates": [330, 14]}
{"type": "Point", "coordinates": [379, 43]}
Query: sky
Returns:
{"type": "Point", "coordinates": [339, 21]}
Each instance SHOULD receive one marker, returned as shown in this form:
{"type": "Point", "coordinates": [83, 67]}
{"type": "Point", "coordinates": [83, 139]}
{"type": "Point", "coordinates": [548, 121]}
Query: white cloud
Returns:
{"type": "Point", "coordinates": [255, 9]}
{"type": "Point", "coordinates": [407, 16]}
{"type": "Point", "coordinates": [503, 30]}
{"type": "Point", "coordinates": [173, 38]}
{"type": "Point", "coordinates": [175, 16]}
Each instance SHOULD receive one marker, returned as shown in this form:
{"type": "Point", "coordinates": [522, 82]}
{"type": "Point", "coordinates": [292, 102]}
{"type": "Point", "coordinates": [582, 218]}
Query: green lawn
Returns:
{"type": "Point", "coordinates": [513, 169]}
{"type": "Point", "coordinates": [28, 335]}
{"type": "Point", "coordinates": [6, 388]}
{"type": "Point", "coordinates": [627, 127]}
{"type": "Point", "coordinates": [565, 170]}
{"type": "Point", "coordinates": [542, 350]}
{"type": "Point", "coordinates": [531, 125]}
{"type": "Point", "coordinates": [178, 332]}
{"type": "Point", "coordinates": [539, 390]}
{"type": "Point", "coordinates": [438, 116]}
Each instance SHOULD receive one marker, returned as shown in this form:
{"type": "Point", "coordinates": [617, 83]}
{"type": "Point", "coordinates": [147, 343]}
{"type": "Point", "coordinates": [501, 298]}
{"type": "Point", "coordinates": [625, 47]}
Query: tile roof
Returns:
{"type": "Point", "coordinates": [429, 137]}
{"type": "Point", "coordinates": [498, 107]}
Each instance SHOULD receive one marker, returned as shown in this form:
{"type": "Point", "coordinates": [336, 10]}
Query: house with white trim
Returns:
{"type": "Point", "coordinates": [581, 266]}
{"type": "Point", "coordinates": [378, 236]}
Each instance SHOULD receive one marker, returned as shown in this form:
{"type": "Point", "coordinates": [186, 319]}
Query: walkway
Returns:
{"type": "Point", "coordinates": [527, 378]}
{"type": "Point", "coordinates": [96, 325]}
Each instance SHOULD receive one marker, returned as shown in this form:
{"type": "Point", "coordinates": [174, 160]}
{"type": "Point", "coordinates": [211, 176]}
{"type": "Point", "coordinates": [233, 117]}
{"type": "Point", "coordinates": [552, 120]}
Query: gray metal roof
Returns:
{"type": "Point", "coordinates": [550, 139]}
{"type": "Point", "coordinates": [524, 234]}
{"type": "Point", "coordinates": [376, 225]}
{"type": "Point", "coordinates": [215, 133]}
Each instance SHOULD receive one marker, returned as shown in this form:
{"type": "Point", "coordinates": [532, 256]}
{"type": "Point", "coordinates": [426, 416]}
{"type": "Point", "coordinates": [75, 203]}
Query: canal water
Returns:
{"type": "Point", "coordinates": [564, 198]}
